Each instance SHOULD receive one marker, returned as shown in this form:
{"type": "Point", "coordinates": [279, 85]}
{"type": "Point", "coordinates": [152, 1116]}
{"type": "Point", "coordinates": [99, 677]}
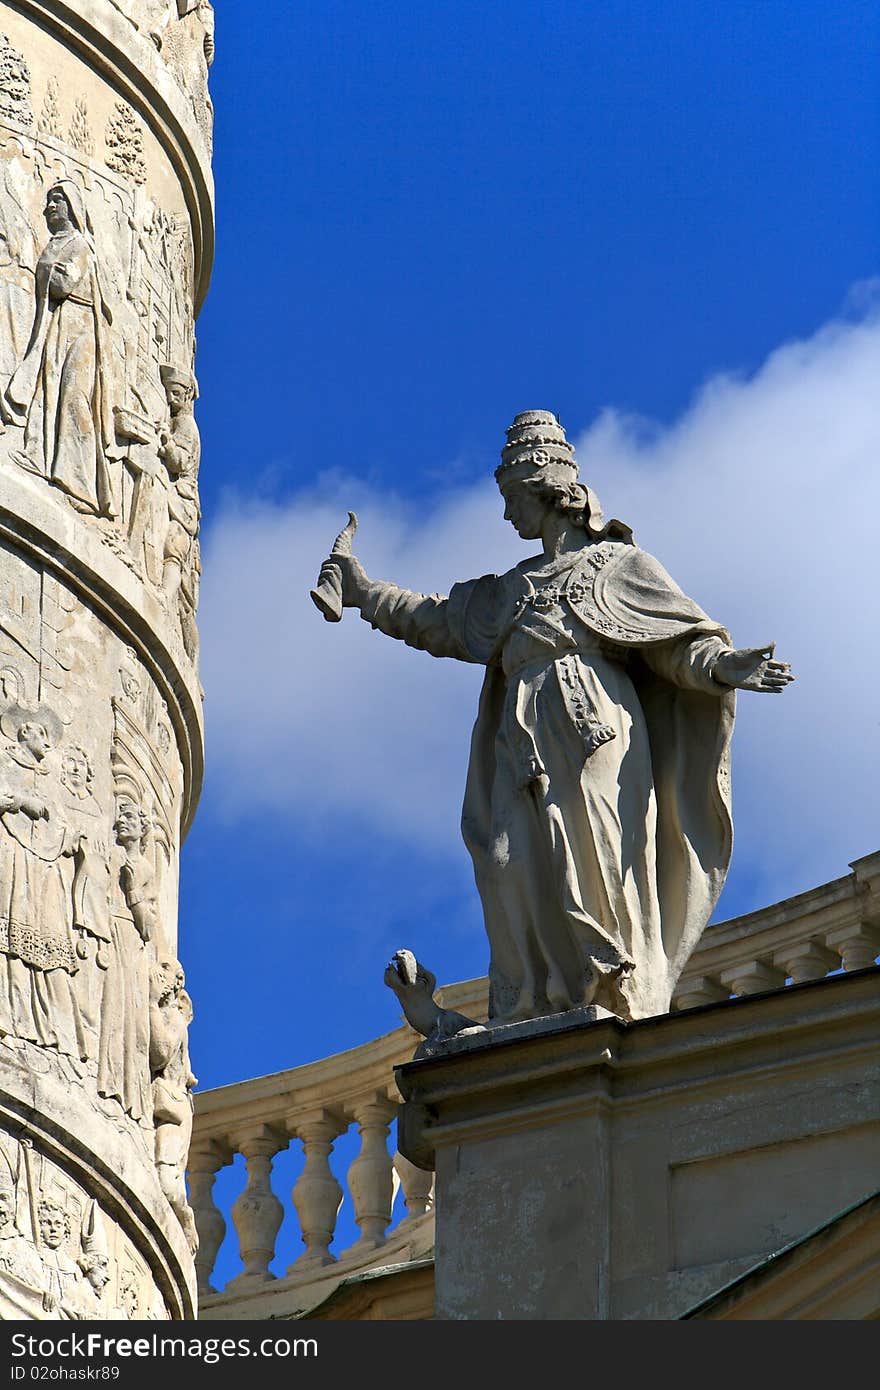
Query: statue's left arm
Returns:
{"type": "Point", "coordinates": [704, 661]}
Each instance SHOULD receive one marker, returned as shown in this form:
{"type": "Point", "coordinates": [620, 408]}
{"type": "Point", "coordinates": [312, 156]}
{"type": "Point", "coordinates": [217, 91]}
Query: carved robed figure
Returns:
{"type": "Point", "coordinates": [597, 806]}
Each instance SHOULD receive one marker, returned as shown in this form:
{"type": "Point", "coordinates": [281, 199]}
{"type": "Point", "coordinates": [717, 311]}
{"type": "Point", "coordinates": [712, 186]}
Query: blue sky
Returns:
{"type": "Point", "coordinates": [659, 221]}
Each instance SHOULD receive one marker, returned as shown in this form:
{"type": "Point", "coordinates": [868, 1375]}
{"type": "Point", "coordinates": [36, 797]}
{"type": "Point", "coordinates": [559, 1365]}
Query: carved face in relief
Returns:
{"type": "Point", "coordinates": [131, 824]}
{"type": "Point", "coordinates": [178, 397]}
{"type": "Point", "coordinates": [96, 1269]}
{"type": "Point", "coordinates": [58, 215]}
{"type": "Point", "coordinates": [54, 1224]}
{"type": "Point", "coordinates": [76, 770]}
{"type": "Point", "coordinates": [35, 739]}
{"type": "Point", "coordinates": [7, 1211]}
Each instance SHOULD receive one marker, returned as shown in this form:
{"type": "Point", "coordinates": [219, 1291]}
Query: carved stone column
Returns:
{"type": "Point", "coordinates": [317, 1195]}
{"type": "Point", "coordinates": [369, 1177]}
{"type": "Point", "coordinates": [418, 1188]}
{"type": "Point", "coordinates": [106, 237]}
{"type": "Point", "coordinates": [257, 1212]}
{"type": "Point", "coordinates": [858, 945]}
{"type": "Point", "coordinates": [204, 1162]}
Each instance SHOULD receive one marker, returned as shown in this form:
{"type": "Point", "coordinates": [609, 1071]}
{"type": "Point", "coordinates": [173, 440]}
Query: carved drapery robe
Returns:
{"type": "Point", "coordinates": [124, 1044]}
{"type": "Point", "coordinates": [60, 390]}
{"type": "Point", "coordinates": [597, 803]}
{"type": "Point", "coordinates": [38, 1000]}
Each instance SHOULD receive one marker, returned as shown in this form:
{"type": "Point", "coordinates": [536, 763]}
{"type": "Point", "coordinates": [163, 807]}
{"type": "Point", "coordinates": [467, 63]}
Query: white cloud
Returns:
{"type": "Point", "coordinates": [761, 500]}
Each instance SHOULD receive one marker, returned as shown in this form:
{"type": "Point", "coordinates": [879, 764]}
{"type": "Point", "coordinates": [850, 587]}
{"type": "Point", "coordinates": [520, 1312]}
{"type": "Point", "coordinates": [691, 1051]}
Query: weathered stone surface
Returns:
{"type": "Point", "coordinates": [105, 239]}
{"type": "Point", "coordinates": [615, 1171]}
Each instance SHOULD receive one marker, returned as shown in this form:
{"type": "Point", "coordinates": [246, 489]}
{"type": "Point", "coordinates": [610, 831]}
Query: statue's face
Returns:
{"type": "Point", "coordinates": [35, 739]}
{"type": "Point", "coordinates": [53, 1226]}
{"type": "Point", "coordinates": [128, 824]}
{"type": "Point", "coordinates": [523, 509]}
{"type": "Point", "coordinates": [177, 396]}
{"type": "Point", "coordinates": [98, 1274]}
{"type": "Point", "coordinates": [7, 1208]}
{"type": "Point", "coordinates": [57, 214]}
{"type": "Point", "coordinates": [76, 768]}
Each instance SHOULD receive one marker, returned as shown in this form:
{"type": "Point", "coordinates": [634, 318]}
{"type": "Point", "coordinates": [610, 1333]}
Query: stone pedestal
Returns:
{"type": "Point", "coordinates": [105, 249]}
{"type": "Point", "coordinates": [597, 1170]}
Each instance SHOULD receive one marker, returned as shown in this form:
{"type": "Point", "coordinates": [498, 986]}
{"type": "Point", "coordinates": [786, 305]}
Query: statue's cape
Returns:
{"type": "Point", "coordinates": [626, 597]}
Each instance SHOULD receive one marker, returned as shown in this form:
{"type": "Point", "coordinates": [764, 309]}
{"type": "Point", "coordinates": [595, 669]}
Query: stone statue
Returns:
{"type": "Point", "coordinates": [414, 986]}
{"type": "Point", "coordinates": [173, 1082]}
{"type": "Point", "coordinates": [597, 807]}
{"type": "Point", "coordinates": [180, 450]}
{"type": "Point", "coordinates": [60, 392]}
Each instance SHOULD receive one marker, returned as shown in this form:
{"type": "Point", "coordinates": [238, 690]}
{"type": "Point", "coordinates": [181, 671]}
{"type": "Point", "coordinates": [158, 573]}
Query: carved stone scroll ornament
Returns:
{"type": "Point", "coordinates": [60, 392]}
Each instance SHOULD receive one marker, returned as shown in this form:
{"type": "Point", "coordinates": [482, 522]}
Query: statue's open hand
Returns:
{"type": "Point", "coordinates": [753, 668]}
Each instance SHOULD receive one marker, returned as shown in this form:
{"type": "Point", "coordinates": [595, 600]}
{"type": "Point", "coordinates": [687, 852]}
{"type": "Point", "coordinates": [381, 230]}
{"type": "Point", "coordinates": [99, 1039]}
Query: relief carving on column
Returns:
{"type": "Point", "coordinates": [15, 85]}
{"type": "Point", "coordinates": [60, 1257]}
{"type": "Point", "coordinates": [96, 349]}
{"type": "Point", "coordinates": [173, 1081]}
{"type": "Point", "coordinates": [183, 33]}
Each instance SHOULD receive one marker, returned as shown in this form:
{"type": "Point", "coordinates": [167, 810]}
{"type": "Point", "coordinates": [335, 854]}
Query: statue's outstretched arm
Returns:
{"type": "Point", "coordinates": [420, 620]}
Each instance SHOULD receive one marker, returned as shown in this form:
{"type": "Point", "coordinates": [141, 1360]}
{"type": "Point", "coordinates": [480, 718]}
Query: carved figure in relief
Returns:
{"type": "Point", "coordinates": [123, 1055]}
{"type": "Point", "coordinates": [597, 803]}
{"type": "Point", "coordinates": [61, 390]}
{"type": "Point", "coordinates": [23, 1285]}
{"type": "Point", "coordinates": [63, 1276]}
{"type": "Point", "coordinates": [173, 1081]}
{"type": "Point", "coordinates": [18, 255]}
{"type": "Point", "coordinates": [90, 890]}
{"type": "Point", "coordinates": [180, 450]}
{"type": "Point", "coordinates": [38, 1001]}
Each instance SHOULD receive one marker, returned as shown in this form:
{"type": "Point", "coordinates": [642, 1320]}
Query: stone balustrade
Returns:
{"type": "Point", "coordinates": [313, 1106]}
{"type": "Point", "coordinates": [824, 930]}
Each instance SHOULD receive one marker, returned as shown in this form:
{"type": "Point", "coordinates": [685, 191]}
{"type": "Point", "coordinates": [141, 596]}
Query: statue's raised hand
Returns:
{"type": "Point", "coordinates": [342, 576]}
{"type": "Point", "coordinates": [753, 668]}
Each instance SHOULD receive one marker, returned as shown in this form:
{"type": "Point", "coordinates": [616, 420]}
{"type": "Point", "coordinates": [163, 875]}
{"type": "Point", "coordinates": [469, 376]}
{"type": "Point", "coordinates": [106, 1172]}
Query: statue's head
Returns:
{"type": "Point", "coordinates": [76, 770]}
{"type": "Point", "coordinates": [538, 472]}
{"type": "Point", "coordinates": [7, 1207]}
{"type": "Point", "coordinates": [180, 388]}
{"type": "Point", "coordinates": [54, 1223]}
{"type": "Point", "coordinates": [96, 1268]}
{"type": "Point", "coordinates": [35, 738]}
{"type": "Point", "coordinates": [65, 209]}
{"type": "Point", "coordinates": [131, 824]}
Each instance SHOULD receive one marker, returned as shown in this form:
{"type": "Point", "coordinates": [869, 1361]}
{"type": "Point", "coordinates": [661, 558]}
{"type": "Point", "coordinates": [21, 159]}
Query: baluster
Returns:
{"type": "Point", "coordinates": [857, 944]}
{"type": "Point", "coordinates": [206, 1157]}
{"type": "Point", "coordinates": [805, 960]}
{"type": "Point", "coordinates": [701, 990]}
{"type": "Point", "coordinates": [751, 977]}
{"type": "Point", "coordinates": [418, 1188]}
{"type": "Point", "coordinates": [369, 1177]}
{"type": "Point", "coordinates": [317, 1195]}
{"type": "Point", "coordinates": [257, 1212]}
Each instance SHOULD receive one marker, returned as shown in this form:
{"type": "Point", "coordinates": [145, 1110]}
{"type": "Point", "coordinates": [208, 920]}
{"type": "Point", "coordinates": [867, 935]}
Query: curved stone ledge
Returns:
{"type": "Point", "coordinates": [52, 534]}
{"type": "Point", "coordinates": [112, 47]}
{"type": "Point", "coordinates": [110, 1160]}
